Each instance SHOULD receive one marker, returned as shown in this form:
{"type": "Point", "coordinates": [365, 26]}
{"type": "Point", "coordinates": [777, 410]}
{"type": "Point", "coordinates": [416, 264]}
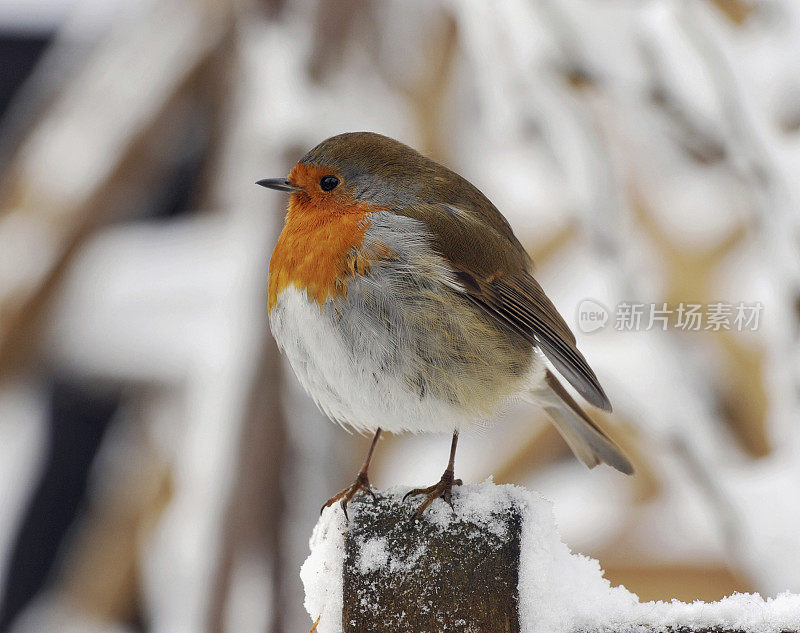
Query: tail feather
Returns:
{"type": "Point", "coordinates": [587, 440]}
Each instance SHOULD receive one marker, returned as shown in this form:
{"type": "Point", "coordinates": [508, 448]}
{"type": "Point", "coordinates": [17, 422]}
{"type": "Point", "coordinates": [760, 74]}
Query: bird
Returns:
{"type": "Point", "coordinates": [404, 302]}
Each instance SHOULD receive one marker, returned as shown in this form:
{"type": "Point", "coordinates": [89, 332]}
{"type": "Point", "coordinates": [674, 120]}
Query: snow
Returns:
{"type": "Point", "coordinates": [559, 590]}
{"type": "Point", "coordinates": [373, 555]}
{"type": "Point", "coordinates": [322, 572]}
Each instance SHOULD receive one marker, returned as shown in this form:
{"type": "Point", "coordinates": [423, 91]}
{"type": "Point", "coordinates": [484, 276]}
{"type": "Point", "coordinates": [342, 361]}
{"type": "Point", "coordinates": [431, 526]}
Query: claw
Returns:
{"type": "Point", "coordinates": [443, 489]}
{"type": "Point", "coordinates": [345, 496]}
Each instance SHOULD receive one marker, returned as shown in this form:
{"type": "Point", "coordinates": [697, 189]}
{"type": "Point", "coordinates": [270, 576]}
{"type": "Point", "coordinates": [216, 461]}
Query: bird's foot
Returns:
{"type": "Point", "coordinates": [443, 489]}
{"type": "Point", "coordinates": [361, 483]}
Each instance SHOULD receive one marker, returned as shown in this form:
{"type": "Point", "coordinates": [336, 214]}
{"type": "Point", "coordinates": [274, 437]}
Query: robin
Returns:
{"type": "Point", "coordinates": [405, 303]}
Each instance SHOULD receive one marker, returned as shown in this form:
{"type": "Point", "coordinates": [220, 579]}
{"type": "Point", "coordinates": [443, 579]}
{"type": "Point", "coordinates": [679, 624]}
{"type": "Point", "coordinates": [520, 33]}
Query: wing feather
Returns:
{"type": "Point", "coordinates": [495, 275]}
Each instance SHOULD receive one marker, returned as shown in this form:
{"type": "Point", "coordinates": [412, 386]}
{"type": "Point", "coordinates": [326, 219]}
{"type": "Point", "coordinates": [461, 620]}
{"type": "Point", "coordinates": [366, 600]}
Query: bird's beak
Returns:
{"type": "Point", "coordinates": [281, 184]}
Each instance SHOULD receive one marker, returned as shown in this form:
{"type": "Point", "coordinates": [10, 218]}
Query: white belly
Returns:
{"type": "Point", "coordinates": [353, 390]}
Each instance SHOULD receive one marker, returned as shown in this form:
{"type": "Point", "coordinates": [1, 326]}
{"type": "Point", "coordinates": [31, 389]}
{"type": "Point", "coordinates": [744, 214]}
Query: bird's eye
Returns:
{"type": "Point", "coordinates": [328, 182]}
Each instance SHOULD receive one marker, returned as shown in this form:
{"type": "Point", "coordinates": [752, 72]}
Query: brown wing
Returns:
{"type": "Point", "coordinates": [493, 268]}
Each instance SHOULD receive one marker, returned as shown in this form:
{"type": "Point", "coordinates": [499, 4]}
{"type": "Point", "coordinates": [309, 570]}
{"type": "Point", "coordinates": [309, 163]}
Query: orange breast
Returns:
{"type": "Point", "coordinates": [314, 247]}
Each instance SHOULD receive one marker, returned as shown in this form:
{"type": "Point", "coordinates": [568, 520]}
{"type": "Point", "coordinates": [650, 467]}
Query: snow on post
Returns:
{"type": "Point", "coordinates": [495, 562]}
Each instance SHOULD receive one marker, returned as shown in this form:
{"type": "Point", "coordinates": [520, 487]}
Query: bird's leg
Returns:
{"type": "Point", "coordinates": [361, 482]}
{"type": "Point", "coordinates": [444, 488]}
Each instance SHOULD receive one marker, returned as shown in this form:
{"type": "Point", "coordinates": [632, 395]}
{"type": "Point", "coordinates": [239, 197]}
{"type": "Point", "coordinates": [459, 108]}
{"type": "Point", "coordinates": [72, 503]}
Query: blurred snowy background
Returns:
{"type": "Point", "coordinates": [160, 470]}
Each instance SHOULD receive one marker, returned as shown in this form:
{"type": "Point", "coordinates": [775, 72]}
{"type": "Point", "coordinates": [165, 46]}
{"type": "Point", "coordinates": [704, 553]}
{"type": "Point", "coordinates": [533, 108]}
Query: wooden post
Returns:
{"type": "Point", "coordinates": [405, 574]}
{"type": "Point", "coordinates": [492, 564]}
